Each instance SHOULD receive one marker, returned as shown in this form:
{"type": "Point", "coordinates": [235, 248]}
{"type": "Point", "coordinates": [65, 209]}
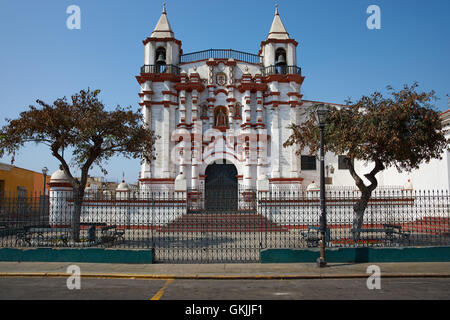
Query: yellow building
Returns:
{"type": "Point", "coordinates": [14, 180]}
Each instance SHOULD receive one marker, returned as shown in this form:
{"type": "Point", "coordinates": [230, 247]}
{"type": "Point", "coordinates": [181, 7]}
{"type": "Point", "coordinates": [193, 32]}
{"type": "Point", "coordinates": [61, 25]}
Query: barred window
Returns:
{"type": "Point", "coordinates": [308, 163]}
{"type": "Point", "coordinates": [342, 164]}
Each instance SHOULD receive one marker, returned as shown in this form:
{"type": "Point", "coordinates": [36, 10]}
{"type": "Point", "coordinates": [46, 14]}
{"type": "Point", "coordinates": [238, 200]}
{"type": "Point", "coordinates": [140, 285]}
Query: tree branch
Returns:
{"type": "Point", "coordinates": [359, 182]}
{"type": "Point", "coordinates": [379, 166]}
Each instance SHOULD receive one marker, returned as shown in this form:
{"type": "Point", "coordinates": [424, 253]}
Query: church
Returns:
{"type": "Point", "coordinates": [221, 114]}
{"type": "Point", "coordinates": [222, 117]}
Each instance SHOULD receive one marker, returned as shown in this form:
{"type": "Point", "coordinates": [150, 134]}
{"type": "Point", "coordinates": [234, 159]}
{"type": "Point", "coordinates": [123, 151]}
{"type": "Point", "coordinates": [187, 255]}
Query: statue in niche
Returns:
{"type": "Point", "coordinates": [220, 119]}
{"type": "Point", "coordinates": [237, 110]}
{"type": "Point", "coordinates": [204, 113]}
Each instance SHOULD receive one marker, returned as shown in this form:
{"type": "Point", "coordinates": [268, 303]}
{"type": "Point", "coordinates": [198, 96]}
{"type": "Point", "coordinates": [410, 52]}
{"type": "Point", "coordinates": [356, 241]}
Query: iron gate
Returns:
{"type": "Point", "coordinates": [221, 225]}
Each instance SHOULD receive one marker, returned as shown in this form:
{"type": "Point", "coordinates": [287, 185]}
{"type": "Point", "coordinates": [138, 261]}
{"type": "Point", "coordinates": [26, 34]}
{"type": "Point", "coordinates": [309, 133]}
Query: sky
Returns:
{"type": "Point", "coordinates": [40, 58]}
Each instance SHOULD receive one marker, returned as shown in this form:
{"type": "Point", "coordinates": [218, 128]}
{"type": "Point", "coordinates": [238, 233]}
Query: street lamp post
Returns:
{"type": "Point", "coordinates": [44, 172]}
{"type": "Point", "coordinates": [321, 113]}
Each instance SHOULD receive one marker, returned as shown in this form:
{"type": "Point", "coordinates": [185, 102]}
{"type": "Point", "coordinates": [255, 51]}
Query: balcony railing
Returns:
{"type": "Point", "coordinates": [281, 70]}
{"type": "Point", "coordinates": [157, 68]}
{"type": "Point", "coordinates": [221, 54]}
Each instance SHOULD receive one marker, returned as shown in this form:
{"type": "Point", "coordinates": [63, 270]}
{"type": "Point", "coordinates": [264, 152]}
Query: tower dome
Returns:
{"type": "Point", "coordinates": [59, 176]}
{"type": "Point", "coordinates": [123, 186]}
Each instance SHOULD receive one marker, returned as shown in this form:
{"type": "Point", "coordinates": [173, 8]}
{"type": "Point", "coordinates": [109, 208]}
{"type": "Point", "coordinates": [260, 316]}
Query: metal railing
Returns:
{"type": "Point", "coordinates": [221, 54]}
{"type": "Point", "coordinates": [281, 70]}
{"type": "Point", "coordinates": [157, 68]}
{"type": "Point", "coordinates": [231, 225]}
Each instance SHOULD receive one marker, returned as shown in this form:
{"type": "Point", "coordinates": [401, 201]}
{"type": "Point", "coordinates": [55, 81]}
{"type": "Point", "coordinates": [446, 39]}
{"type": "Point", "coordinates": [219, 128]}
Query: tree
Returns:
{"type": "Point", "coordinates": [92, 133]}
{"type": "Point", "coordinates": [400, 131]}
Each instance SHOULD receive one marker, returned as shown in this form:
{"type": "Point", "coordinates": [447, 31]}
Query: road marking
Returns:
{"type": "Point", "coordinates": [160, 293]}
{"type": "Point", "coordinates": [281, 293]}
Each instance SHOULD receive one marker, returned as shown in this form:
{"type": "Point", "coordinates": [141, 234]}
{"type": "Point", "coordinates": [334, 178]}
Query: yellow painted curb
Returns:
{"type": "Point", "coordinates": [221, 277]}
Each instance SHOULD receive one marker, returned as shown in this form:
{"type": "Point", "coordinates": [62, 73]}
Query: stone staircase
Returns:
{"type": "Point", "coordinates": [222, 222]}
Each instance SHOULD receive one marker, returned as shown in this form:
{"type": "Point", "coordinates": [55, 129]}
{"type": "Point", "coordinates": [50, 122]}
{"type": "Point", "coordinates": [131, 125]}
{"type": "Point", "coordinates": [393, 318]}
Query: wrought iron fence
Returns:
{"type": "Point", "coordinates": [157, 68]}
{"type": "Point", "coordinates": [281, 70]}
{"type": "Point", "coordinates": [230, 226]}
{"type": "Point", "coordinates": [221, 54]}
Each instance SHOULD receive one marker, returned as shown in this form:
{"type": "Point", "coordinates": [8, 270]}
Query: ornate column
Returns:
{"type": "Point", "coordinates": [146, 100]}
{"type": "Point", "coordinates": [182, 100]}
{"type": "Point", "coordinates": [166, 133]}
{"type": "Point", "coordinates": [275, 145]}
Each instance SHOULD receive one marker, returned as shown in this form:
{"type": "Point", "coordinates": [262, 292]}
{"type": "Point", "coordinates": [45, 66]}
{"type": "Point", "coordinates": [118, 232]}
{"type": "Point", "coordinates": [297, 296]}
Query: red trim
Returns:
{"type": "Point", "coordinates": [220, 91]}
{"type": "Point", "coordinates": [60, 185]}
{"type": "Point", "coordinates": [252, 87]}
{"type": "Point", "coordinates": [170, 180]}
{"type": "Point", "coordinates": [190, 86]}
{"type": "Point", "coordinates": [263, 43]}
{"type": "Point", "coordinates": [170, 93]}
{"type": "Point", "coordinates": [143, 93]}
{"type": "Point", "coordinates": [164, 103]}
{"type": "Point", "coordinates": [276, 103]}
{"type": "Point", "coordinates": [157, 77]}
{"type": "Point", "coordinates": [149, 39]}
{"type": "Point", "coordinates": [87, 202]}
{"type": "Point", "coordinates": [222, 129]}
{"type": "Point", "coordinates": [284, 78]}
{"type": "Point", "coordinates": [286, 180]}
{"type": "Point", "coordinates": [343, 202]}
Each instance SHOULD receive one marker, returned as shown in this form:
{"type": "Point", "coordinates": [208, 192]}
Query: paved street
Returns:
{"type": "Point", "coordinates": [192, 289]}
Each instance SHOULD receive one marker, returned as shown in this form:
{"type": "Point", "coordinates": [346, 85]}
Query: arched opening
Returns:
{"type": "Point", "coordinates": [221, 188]}
{"type": "Point", "coordinates": [280, 61]}
{"type": "Point", "coordinates": [237, 110]}
{"type": "Point", "coordinates": [160, 62]}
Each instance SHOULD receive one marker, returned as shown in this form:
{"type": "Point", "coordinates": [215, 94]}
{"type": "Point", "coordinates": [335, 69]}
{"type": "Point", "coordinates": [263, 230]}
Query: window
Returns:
{"type": "Point", "coordinates": [280, 61]}
{"type": "Point", "coordinates": [342, 164]}
{"type": "Point", "coordinates": [160, 56]}
{"type": "Point", "coordinates": [308, 163]}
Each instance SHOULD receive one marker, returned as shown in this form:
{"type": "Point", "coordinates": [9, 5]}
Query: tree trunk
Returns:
{"type": "Point", "coordinates": [78, 196]}
{"type": "Point", "coordinates": [366, 192]}
{"type": "Point", "coordinates": [358, 213]}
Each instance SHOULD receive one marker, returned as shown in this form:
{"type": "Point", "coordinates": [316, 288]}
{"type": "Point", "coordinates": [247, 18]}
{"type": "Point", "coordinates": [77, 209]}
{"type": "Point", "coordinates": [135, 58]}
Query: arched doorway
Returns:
{"type": "Point", "coordinates": [221, 188]}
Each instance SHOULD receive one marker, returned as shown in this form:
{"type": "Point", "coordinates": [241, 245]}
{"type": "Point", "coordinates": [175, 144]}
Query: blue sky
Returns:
{"type": "Point", "coordinates": [339, 55]}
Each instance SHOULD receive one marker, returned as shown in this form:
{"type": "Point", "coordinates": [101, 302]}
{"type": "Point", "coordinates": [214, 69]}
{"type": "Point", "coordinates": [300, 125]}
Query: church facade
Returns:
{"type": "Point", "coordinates": [221, 107]}
{"type": "Point", "coordinates": [225, 114]}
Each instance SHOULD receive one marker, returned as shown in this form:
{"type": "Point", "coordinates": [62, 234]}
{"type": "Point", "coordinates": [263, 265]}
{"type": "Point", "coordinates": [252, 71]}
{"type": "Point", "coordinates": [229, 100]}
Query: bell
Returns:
{"type": "Point", "coordinates": [161, 59]}
{"type": "Point", "coordinates": [281, 60]}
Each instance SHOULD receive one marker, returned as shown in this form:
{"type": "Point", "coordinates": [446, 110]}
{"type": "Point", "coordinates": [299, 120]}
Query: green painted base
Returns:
{"type": "Point", "coordinates": [89, 255]}
{"type": "Point", "coordinates": [405, 254]}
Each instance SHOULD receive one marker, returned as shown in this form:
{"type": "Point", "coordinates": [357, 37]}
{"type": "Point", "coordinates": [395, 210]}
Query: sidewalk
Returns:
{"type": "Point", "coordinates": [225, 271]}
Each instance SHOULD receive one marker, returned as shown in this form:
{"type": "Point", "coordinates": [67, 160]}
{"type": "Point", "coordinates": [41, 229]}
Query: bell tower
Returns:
{"type": "Point", "coordinates": [278, 50]}
{"type": "Point", "coordinates": [161, 48]}
{"type": "Point", "coordinates": [158, 99]}
{"type": "Point", "coordinates": [282, 100]}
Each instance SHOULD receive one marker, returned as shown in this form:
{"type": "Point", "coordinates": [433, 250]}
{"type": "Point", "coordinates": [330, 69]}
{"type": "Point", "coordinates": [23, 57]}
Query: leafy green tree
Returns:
{"type": "Point", "coordinates": [401, 131]}
{"type": "Point", "coordinates": [82, 125]}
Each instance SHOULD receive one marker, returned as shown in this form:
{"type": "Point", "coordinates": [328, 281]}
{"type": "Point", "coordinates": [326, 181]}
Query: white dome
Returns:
{"type": "Point", "coordinates": [312, 187]}
{"type": "Point", "coordinates": [408, 185]}
{"type": "Point", "coordinates": [123, 186]}
{"type": "Point", "coordinates": [59, 176]}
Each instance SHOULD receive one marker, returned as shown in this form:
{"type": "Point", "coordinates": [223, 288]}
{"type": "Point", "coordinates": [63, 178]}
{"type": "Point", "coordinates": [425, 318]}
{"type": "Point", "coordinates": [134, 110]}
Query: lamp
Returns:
{"type": "Point", "coordinates": [321, 113]}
